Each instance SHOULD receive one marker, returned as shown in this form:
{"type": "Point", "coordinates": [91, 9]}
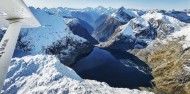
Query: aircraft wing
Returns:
{"type": "Point", "coordinates": [11, 9]}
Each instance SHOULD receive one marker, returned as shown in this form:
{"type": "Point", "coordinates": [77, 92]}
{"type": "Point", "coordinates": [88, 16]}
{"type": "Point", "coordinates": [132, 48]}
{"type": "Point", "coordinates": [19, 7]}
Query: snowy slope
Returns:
{"type": "Point", "coordinates": [150, 21]}
{"type": "Point", "coordinates": [129, 30]}
{"type": "Point", "coordinates": [185, 33]}
{"type": "Point", "coordinates": [46, 75]}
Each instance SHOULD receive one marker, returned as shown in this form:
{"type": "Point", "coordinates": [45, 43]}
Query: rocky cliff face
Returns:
{"type": "Point", "coordinates": [100, 20]}
{"type": "Point", "coordinates": [105, 30]}
{"type": "Point", "coordinates": [68, 50]}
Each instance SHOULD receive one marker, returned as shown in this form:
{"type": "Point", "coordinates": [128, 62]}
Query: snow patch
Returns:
{"type": "Point", "coordinates": [127, 30]}
{"type": "Point", "coordinates": [186, 67]}
{"type": "Point", "coordinates": [144, 24]}
{"type": "Point", "coordinates": [74, 21]}
{"type": "Point", "coordinates": [188, 14]}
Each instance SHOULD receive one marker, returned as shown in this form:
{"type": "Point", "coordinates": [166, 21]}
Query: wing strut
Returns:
{"type": "Point", "coordinates": [7, 47]}
{"type": "Point", "coordinates": [16, 16]}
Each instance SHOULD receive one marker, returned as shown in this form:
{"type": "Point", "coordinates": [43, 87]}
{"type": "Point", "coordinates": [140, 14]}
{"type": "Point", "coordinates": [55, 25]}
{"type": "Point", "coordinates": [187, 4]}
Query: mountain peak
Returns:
{"type": "Point", "coordinates": [121, 8]}
{"type": "Point", "coordinates": [124, 15]}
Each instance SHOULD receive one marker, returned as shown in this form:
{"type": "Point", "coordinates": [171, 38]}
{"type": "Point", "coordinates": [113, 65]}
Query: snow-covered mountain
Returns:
{"type": "Point", "coordinates": [108, 24]}
{"type": "Point", "coordinates": [93, 16]}
{"type": "Point", "coordinates": [163, 24]}
{"type": "Point", "coordinates": [125, 15]}
{"type": "Point", "coordinates": [43, 74]}
{"type": "Point", "coordinates": [140, 31]}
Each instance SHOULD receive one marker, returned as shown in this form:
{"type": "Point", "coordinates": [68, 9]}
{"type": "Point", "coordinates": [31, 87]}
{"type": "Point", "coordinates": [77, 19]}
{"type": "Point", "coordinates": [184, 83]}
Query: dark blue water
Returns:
{"type": "Point", "coordinates": [102, 65]}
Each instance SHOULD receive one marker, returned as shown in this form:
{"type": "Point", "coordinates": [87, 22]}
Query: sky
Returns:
{"type": "Point", "coordinates": [136, 4]}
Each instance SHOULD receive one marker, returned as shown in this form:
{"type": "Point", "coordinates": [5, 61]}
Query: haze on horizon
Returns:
{"type": "Point", "coordinates": [135, 4]}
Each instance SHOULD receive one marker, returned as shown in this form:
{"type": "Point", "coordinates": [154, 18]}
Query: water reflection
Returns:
{"type": "Point", "coordinates": [101, 65]}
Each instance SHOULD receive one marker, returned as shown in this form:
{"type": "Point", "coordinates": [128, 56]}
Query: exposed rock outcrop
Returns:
{"type": "Point", "coordinates": [105, 30]}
